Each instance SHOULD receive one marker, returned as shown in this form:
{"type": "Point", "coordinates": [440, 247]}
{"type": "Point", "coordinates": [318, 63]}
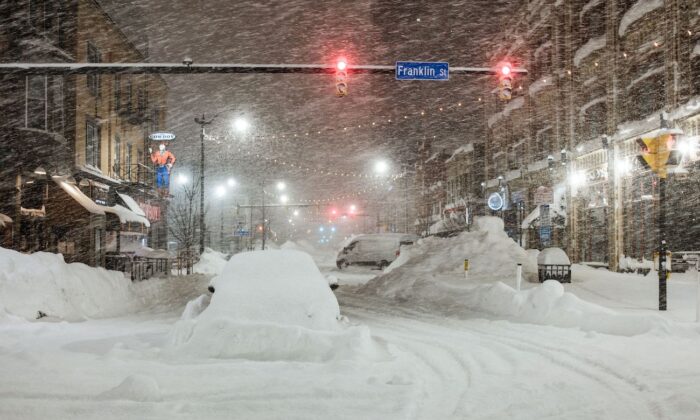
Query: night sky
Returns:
{"type": "Point", "coordinates": [306, 31]}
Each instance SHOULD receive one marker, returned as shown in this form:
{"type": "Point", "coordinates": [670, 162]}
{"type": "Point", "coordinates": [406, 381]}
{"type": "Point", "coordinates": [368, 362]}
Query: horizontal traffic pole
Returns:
{"type": "Point", "coordinates": [223, 68]}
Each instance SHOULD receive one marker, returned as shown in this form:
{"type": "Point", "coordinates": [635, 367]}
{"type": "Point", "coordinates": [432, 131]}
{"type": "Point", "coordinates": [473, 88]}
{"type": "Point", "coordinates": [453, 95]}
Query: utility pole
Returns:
{"type": "Point", "coordinates": [202, 122]}
{"type": "Point", "coordinates": [264, 226]}
{"type": "Point", "coordinates": [663, 269]}
{"type": "Point", "coordinates": [405, 198]}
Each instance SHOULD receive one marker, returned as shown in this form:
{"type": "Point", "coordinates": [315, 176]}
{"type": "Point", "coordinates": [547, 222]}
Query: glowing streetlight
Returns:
{"type": "Point", "coordinates": [296, 212]}
{"type": "Point", "coordinates": [381, 167]}
{"type": "Point", "coordinates": [281, 186]}
{"type": "Point", "coordinates": [182, 179]}
{"type": "Point", "coordinates": [231, 182]}
{"type": "Point", "coordinates": [241, 124]}
{"type": "Point", "coordinates": [284, 199]}
{"type": "Point", "coordinates": [220, 191]}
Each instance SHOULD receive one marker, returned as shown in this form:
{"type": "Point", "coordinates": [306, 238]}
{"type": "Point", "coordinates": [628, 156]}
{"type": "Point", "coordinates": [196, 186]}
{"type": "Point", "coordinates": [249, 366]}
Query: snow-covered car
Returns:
{"type": "Point", "coordinates": [375, 250]}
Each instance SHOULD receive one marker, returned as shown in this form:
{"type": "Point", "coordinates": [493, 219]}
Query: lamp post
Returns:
{"type": "Point", "coordinates": [202, 123]}
{"type": "Point", "coordinates": [240, 124]}
{"type": "Point", "coordinates": [281, 186]}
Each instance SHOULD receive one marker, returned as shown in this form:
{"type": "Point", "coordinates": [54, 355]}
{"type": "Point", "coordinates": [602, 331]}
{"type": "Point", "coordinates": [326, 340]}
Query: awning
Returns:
{"type": "Point", "coordinates": [125, 215]}
{"type": "Point", "coordinates": [132, 204]}
{"type": "Point", "coordinates": [4, 220]}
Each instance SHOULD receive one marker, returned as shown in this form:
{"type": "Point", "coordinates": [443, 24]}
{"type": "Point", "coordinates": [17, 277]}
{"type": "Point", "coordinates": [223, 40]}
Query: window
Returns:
{"type": "Point", "coordinates": [129, 94]}
{"type": "Point", "coordinates": [117, 154]}
{"type": "Point", "coordinates": [93, 80]}
{"type": "Point", "coordinates": [155, 120]}
{"type": "Point", "coordinates": [56, 115]}
{"type": "Point", "coordinates": [117, 92]}
{"type": "Point", "coordinates": [141, 98]}
{"type": "Point", "coordinates": [92, 143]}
{"type": "Point", "coordinates": [128, 160]}
{"type": "Point", "coordinates": [35, 109]}
{"type": "Point", "coordinates": [37, 13]}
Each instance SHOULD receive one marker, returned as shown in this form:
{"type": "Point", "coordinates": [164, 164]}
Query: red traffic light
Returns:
{"type": "Point", "coordinates": [505, 70]}
{"type": "Point", "coordinates": [342, 64]}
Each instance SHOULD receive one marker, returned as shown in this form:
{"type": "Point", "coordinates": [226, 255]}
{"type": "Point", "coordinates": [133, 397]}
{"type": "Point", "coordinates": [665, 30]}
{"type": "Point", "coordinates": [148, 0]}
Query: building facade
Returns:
{"type": "Point", "coordinates": [601, 72]}
{"type": "Point", "coordinates": [76, 177]}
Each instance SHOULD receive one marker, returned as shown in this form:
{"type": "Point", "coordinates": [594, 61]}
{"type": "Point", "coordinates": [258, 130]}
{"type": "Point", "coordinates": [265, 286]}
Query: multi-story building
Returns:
{"type": "Point", "coordinates": [464, 173]}
{"type": "Point", "coordinates": [430, 187]}
{"type": "Point", "coordinates": [76, 178]}
{"type": "Point", "coordinates": [600, 74]}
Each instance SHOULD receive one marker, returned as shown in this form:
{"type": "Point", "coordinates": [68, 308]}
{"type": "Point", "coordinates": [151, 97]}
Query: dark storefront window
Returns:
{"type": "Point", "coordinates": [35, 116]}
{"type": "Point", "coordinates": [92, 143]}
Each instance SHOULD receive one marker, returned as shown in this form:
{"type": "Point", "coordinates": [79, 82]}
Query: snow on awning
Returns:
{"type": "Point", "coordinates": [132, 204]}
{"type": "Point", "coordinates": [4, 220]}
{"type": "Point", "coordinates": [79, 196]}
{"type": "Point", "coordinates": [125, 215]}
{"type": "Point", "coordinates": [636, 12]}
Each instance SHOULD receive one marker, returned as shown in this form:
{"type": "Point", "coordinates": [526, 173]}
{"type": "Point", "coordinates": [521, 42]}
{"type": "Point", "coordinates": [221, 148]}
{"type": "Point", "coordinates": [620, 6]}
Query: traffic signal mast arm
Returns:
{"type": "Point", "coordinates": [223, 68]}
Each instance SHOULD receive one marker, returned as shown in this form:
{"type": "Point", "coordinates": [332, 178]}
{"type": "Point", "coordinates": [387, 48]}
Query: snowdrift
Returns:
{"type": "Point", "coordinates": [42, 281]}
{"type": "Point", "coordinates": [210, 262]}
{"type": "Point", "coordinates": [491, 253]}
{"type": "Point", "coordinates": [430, 276]}
{"type": "Point", "coordinates": [270, 305]}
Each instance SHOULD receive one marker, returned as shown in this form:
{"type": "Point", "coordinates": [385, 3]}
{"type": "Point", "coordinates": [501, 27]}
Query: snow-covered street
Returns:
{"type": "Point", "coordinates": [435, 366]}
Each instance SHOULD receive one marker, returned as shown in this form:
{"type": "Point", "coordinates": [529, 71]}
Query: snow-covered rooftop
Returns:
{"type": "Point", "coordinates": [462, 149]}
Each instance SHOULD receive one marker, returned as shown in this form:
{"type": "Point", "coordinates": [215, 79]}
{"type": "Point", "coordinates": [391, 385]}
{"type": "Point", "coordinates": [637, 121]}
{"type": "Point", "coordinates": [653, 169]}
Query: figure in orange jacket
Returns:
{"type": "Point", "coordinates": [164, 161]}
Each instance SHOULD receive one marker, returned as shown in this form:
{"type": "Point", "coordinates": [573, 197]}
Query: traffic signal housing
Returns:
{"type": "Point", "coordinates": [660, 153]}
{"type": "Point", "coordinates": [505, 82]}
{"type": "Point", "coordinates": [341, 78]}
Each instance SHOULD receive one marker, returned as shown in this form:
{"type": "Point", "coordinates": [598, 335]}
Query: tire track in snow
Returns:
{"type": "Point", "coordinates": [414, 326]}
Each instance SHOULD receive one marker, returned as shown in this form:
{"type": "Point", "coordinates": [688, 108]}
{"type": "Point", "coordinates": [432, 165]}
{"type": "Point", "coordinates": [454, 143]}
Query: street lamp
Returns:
{"type": "Point", "coordinates": [381, 167]}
{"type": "Point", "coordinates": [241, 124]}
{"type": "Point", "coordinates": [231, 182]}
{"type": "Point", "coordinates": [284, 199]}
{"type": "Point", "coordinates": [281, 186]}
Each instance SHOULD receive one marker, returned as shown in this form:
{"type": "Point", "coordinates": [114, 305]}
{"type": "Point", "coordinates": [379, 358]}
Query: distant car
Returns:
{"type": "Point", "coordinates": [373, 250]}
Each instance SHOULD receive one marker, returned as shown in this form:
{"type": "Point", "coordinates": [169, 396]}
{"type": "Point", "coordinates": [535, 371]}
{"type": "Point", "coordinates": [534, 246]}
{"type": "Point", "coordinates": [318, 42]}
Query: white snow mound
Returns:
{"type": "Point", "coordinates": [436, 263]}
{"type": "Point", "coordinates": [271, 305]}
{"type": "Point", "coordinates": [210, 262]}
{"type": "Point", "coordinates": [134, 388]}
{"type": "Point", "coordinates": [42, 281]}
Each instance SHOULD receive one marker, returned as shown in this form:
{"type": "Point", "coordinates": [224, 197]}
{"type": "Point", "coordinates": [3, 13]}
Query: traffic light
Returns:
{"type": "Point", "coordinates": [341, 78]}
{"type": "Point", "coordinates": [505, 83]}
{"type": "Point", "coordinates": [659, 153]}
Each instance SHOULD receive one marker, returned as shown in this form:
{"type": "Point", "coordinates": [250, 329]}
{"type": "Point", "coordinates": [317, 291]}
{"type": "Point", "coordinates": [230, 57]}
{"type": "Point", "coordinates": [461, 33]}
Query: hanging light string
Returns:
{"type": "Point", "coordinates": [311, 170]}
{"type": "Point", "coordinates": [332, 199]}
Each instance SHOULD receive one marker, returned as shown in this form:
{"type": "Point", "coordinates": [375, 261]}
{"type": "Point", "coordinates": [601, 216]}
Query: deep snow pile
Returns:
{"type": "Point", "coordinates": [42, 281]}
{"type": "Point", "coordinates": [210, 262]}
{"type": "Point", "coordinates": [491, 253]}
{"type": "Point", "coordinates": [430, 275]}
{"type": "Point", "coordinates": [270, 305]}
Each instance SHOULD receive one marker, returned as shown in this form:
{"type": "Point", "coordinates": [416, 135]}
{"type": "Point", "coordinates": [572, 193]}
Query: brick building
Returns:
{"type": "Point", "coordinates": [74, 172]}
{"type": "Point", "coordinates": [600, 74]}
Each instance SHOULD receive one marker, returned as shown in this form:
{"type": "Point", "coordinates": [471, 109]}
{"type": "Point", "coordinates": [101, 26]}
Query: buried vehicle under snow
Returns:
{"type": "Point", "coordinates": [376, 249]}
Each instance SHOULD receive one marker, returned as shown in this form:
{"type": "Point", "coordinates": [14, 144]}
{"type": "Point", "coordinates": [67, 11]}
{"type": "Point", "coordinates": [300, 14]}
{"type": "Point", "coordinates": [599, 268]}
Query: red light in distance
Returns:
{"type": "Point", "coordinates": [505, 70]}
{"type": "Point", "coordinates": [342, 64]}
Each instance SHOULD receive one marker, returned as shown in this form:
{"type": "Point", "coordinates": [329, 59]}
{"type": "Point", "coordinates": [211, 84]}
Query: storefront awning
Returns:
{"type": "Point", "coordinates": [4, 220]}
{"type": "Point", "coordinates": [125, 215]}
{"type": "Point", "coordinates": [132, 204]}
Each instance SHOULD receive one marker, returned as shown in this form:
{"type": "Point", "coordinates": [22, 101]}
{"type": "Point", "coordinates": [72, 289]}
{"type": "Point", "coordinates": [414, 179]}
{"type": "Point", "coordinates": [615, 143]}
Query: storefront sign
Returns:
{"type": "Point", "coordinates": [162, 136]}
{"type": "Point", "coordinates": [152, 212]}
{"type": "Point", "coordinates": [495, 201]}
{"type": "Point", "coordinates": [544, 195]}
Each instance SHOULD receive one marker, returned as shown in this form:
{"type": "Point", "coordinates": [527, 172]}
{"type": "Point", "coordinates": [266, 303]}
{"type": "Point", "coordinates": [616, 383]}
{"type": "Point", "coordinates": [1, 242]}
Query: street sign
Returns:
{"type": "Point", "coordinates": [415, 70]}
{"type": "Point", "coordinates": [495, 201]}
{"type": "Point", "coordinates": [241, 233]}
{"type": "Point", "coordinates": [545, 234]}
{"type": "Point", "coordinates": [162, 136]}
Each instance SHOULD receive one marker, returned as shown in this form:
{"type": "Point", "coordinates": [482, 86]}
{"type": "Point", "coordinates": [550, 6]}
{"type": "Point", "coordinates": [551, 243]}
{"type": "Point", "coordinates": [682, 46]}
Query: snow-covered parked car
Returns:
{"type": "Point", "coordinates": [375, 249]}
